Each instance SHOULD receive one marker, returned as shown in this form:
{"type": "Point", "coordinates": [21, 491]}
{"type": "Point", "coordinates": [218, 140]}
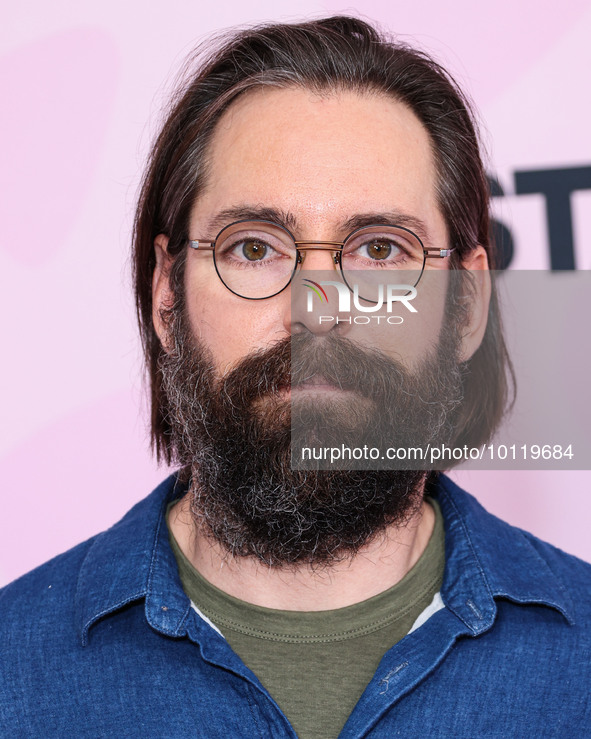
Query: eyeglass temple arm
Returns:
{"type": "Point", "coordinates": [196, 244]}
{"type": "Point", "coordinates": [437, 253]}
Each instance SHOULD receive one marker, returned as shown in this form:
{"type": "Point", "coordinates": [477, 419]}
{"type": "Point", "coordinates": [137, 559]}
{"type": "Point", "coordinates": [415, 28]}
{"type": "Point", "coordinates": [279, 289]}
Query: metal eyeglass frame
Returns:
{"type": "Point", "coordinates": [428, 252]}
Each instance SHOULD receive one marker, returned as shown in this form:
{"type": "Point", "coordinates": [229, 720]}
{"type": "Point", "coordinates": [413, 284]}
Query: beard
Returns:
{"type": "Point", "coordinates": [239, 441]}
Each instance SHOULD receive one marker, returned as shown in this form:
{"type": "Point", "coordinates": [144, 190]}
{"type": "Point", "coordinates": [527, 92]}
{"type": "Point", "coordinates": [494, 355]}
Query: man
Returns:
{"type": "Point", "coordinates": [253, 595]}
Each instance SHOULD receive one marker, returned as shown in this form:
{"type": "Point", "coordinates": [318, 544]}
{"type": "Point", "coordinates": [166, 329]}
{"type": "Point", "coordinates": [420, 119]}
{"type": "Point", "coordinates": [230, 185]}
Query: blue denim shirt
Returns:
{"type": "Point", "coordinates": [103, 642]}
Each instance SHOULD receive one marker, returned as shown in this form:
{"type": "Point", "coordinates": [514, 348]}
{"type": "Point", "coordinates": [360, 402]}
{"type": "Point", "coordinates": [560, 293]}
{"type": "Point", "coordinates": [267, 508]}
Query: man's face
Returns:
{"type": "Point", "coordinates": [319, 162]}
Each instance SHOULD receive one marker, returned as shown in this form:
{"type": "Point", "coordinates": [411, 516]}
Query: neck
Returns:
{"type": "Point", "coordinates": [376, 567]}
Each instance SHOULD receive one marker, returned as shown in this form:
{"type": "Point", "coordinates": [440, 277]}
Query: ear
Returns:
{"type": "Point", "coordinates": [162, 296]}
{"type": "Point", "coordinates": [476, 262]}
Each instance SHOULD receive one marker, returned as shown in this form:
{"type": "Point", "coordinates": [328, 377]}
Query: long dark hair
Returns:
{"type": "Point", "coordinates": [338, 53]}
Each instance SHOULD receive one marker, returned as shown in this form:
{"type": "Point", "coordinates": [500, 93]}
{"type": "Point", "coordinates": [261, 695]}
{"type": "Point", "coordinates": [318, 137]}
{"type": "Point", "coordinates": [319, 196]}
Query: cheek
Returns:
{"type": "Point", "coordinates": [402, 334]}
{"type": "Point", "coordinates": [230, 327]}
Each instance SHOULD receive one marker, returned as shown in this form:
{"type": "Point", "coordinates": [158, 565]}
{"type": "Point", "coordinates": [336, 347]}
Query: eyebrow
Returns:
{"type": "Point", "coordinates": [250, 213]}
{"type": "Point", "coordinates": [289, 221]}
{"type": "Point", "coordinates": [389, 218]}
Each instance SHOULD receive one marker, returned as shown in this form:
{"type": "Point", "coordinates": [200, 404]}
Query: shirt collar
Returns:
{"type": "Point", "coordinates": [133, 561]}
{"type": "Point", "coordinates": [486, 558]}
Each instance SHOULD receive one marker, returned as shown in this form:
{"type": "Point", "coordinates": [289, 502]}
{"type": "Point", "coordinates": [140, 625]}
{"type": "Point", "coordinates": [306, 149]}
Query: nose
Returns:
{"type": "Point", "coordinates": [317, 258]}
{"type": "Point", "coordinates": [314, 307]}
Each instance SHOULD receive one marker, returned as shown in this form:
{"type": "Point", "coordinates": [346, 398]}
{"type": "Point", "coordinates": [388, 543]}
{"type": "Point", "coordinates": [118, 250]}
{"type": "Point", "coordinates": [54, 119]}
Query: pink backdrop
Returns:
{"type": "Point", "coordinates": [81, 88]}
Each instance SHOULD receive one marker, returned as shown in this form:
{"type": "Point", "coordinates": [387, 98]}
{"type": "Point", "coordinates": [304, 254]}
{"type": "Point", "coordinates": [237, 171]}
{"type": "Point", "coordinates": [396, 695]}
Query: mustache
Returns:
{"type": "Point", "coordinates": [296, 360]}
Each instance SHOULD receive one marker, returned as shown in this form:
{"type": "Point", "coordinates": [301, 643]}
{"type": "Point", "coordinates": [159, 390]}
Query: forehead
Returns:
{"type": "Point", "coordinates": [320, 158]}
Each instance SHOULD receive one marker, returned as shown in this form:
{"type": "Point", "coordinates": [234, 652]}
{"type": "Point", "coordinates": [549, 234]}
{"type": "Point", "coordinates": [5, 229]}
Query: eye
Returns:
{"type": "Point", "coordinates": [244, 249]}
{"type": "Point", "coordinates": [374, 249]}
{"type": "Point", "coordinates": [252, 250]}
{"type": "Point", "coordinates": [382, 247]}
{"type": "Point", "coordinates": [378, 249]}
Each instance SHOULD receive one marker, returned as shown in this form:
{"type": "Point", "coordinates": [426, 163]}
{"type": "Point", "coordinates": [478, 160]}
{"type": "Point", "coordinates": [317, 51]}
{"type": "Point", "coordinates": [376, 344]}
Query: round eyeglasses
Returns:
{"type": "Point", "coordinates": [258, 259]}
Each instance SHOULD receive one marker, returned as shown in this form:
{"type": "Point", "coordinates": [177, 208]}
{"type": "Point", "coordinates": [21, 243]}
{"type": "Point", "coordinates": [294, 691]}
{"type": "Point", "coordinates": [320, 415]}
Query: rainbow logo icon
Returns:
{"type": "Point", "coordinates": [316, 288]}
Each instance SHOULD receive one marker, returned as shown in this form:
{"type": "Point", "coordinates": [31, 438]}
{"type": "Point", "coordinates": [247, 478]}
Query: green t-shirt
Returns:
{"type": "Point", "coordinates": [316, 664]}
